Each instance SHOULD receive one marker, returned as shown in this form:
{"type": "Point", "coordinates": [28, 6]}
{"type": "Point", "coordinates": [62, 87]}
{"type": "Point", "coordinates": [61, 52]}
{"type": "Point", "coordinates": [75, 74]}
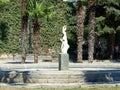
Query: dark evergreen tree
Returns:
{"type": "Point", "coordinates": [108, 21]}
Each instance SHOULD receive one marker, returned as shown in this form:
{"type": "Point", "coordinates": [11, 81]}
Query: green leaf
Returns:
{"type": "Point", "coordinates": [108, 29]}
{"type": "Point", "coordinates": [4, 1]}
{"type": "Point", "coordinates": [118, 28]}
{"type": "Point", "coordinates": [41, 6]}
{"type": "Point", "coordinates": [38, 9]}
{"type": "Point", "coordinates": [99, 19]}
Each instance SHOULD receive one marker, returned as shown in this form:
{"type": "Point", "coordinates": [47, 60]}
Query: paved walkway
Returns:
{"type": "Point", "coordinates": [106, 65]}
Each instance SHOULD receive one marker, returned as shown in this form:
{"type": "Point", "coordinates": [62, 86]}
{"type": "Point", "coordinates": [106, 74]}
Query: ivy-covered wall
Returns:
{"type": "Point", "coordinates": [50, 32]}
{"type": "Point", "coordinates": [51, 28]}
{"type": "Point", "coordinates": [10, 27]}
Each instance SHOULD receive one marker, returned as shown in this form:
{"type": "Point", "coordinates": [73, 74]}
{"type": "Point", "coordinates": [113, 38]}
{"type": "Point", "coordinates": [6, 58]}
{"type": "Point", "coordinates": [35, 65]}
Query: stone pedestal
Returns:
{"type": "Point", "coordinates": [63, 61]}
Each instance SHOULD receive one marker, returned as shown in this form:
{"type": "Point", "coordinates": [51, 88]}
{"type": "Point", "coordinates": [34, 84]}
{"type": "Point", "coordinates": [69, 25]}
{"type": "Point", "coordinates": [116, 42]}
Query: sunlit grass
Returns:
{"type": "Point", "coordinates": [85, 88]}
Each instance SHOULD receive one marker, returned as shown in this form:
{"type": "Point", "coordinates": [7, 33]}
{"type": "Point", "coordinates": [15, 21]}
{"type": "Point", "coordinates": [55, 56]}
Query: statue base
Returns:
{"type": "Point", "coordinates": [63, 61]}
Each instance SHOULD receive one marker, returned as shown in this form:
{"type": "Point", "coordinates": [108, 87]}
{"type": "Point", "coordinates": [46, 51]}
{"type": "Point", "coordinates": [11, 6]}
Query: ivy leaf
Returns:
{"type": "Point", "coordinates": [4, 1]}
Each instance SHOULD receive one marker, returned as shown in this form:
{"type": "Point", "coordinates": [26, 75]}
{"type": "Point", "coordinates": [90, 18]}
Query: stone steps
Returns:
{"type": "Point", "coordinates": [48, 73]}
{"type": "Point", "coordinates": [40, 77]}
{"type": "Point", "coordinates": [60, 76]}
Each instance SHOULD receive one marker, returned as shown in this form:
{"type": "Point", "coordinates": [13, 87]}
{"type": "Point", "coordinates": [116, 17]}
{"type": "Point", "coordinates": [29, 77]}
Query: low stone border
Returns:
{"type": "Point", "coordinates": [70, 85]}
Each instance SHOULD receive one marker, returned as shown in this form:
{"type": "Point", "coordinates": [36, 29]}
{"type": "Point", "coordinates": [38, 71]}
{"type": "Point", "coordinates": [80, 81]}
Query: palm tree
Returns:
{"type": "Point", "coordinates": [37, 10]}
{"type": "Point", "coordinates": [24, 24]}
{"type": "Point", "coordinates": [91, 30]}
{"type": "Point", "coordinates": [80, 11]}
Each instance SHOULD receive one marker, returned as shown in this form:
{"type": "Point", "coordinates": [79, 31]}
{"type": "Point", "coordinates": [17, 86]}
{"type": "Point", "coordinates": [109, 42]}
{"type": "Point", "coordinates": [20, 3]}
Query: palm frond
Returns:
{"type": "Point", "coordinates": [36, 9]}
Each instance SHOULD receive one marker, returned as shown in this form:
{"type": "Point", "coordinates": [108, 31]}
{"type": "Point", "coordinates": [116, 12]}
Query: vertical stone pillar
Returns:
{"type": "Point", "coordinates": [63, 61]}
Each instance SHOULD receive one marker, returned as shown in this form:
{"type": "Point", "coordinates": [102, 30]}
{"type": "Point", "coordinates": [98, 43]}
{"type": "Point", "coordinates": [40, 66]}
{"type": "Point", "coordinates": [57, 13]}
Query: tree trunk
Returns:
{"type": "Point", "coordinates": [36, 33]}
{"type": "Point", "coordinates": [110, 45]}
{"type": "Point", "coordinates": [24, 23]}
{"type": "Point", "coordinates": [91, 30]}
{"type": "Point", "coordinates": [80, 30]}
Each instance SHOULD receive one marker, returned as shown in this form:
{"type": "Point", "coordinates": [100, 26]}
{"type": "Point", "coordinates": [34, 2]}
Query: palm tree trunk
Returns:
{"type": "Point", "coordinates": [91, 30]}
{"type": "Point", "coordinates": [80, 30]}
{"type": "Point", "coordinates": [24, 23]}
{"type": "Point", "coordinates": [36, 33]}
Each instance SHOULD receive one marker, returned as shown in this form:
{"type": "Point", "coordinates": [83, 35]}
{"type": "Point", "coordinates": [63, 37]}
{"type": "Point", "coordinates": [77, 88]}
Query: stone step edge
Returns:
{"type": "Point", "coordinates": [43, 85]}
{"type": "Point", "coordinates": [57, 85]}
{"type": "Point", "coordinates": [50, 66]}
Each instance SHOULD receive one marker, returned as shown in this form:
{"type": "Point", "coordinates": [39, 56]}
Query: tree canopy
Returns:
{"type": "Point", "coordinates": [107, 20]}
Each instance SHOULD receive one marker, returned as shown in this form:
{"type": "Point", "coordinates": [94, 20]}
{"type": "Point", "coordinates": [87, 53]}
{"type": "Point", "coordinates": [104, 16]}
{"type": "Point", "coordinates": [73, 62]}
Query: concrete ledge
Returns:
{"type": "Point", "coordinates": [70, 85]}
{"type": "Point", "coordinates": [44, 85]}
{"type": "Point", "coordinates": [95, 73]}
{"type": "Point", "coordinates": [54, 65]}
{"type": "Point", "coordinates": [31, 58]}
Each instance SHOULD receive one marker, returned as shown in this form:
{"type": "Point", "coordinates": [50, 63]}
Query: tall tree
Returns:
{"type": "Point", "coordinates": [24, 24]}
{"type": "Point", "coordinates": [109, 11]}
{"type": "Point", "coordinates": [91, 30]}
{"type": "Point", "coordinates": [34, 10]}
{"type": "Point", "coordinates": [112, 13]}
{"type": "Point", "coordinates": [37, 10]}
{"type": "Point", "coordinates": [80, 11]}
{"type": "Point", "coordinates": [110, 45]}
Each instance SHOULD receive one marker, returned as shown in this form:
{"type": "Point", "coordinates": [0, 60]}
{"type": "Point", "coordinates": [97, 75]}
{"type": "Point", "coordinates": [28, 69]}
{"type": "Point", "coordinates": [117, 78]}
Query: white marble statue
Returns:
{"type": "Point", "coordinates": [64, 45]}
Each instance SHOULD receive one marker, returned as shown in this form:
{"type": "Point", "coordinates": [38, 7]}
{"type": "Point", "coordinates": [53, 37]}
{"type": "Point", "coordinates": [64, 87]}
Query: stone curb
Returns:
{"type": "Point", "coordinates": [63, 85]}
{"type": "Point", "coordinates": [44, 85]}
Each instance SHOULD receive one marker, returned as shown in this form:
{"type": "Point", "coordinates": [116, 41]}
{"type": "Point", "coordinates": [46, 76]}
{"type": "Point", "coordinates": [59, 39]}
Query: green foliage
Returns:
{"type": "Point", "coordinates": [118, 28]}
{"type": "Point", "coordinates": [99, 25]}
{"type": "Point", "coordinates": [108, 18]}
{"type": "Point", "coordinates": [10, 27]}
{"type": "Point", "coordinates": [62, 13]}
{"type": "Point", "coordinates": [51, 28]}
{"type": "Point", "coordinates": [4, 1]}
{"type": "Point", "coordinates": [104, 30]}
{"type": "Point", "coordinates": [38, 9]}
{"type": "Point", "coordinates": [113, 11]}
